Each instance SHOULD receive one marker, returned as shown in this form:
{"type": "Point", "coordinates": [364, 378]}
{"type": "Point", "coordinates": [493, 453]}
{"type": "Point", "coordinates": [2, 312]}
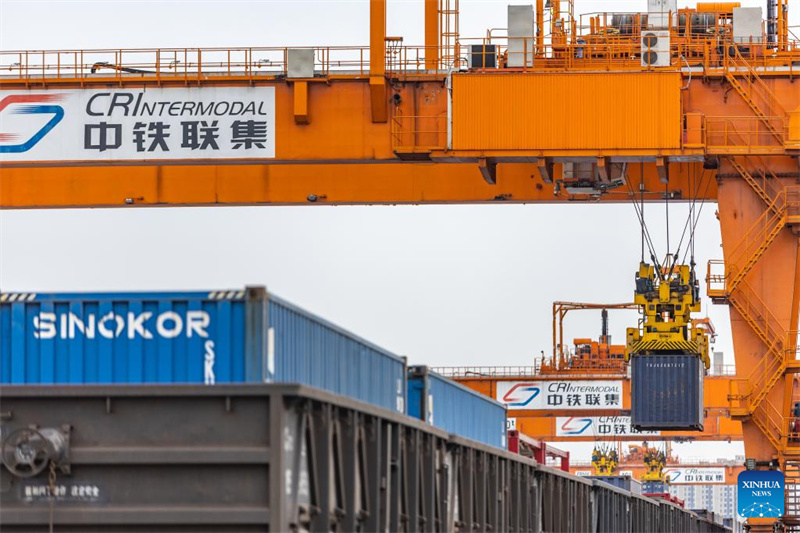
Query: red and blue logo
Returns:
{"type": "Point", "coordinates": [576, 426]}
{"type": "Point", "coordinates": [36, 104]}
{"type": "Point", "coordinates": [521, 394]}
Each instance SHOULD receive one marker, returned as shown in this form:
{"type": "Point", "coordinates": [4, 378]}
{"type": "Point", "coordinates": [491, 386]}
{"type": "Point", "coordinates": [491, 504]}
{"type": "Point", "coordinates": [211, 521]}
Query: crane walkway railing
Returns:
{"type": "Point", "coordinates": [740, 135]}
{"type": "Point", "coordinates": [488, 371]}
{"type": "Point", "coordinates": [536, 371]}
{"type": "Point", "coordinates": [758, 238]}
{"type": "Point", "coordinates": [603, 52]}
{"type": "Point", "coordinates": [416, 133]}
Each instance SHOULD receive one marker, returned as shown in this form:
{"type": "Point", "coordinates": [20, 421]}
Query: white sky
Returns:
{"type": "Point", "coordinates": [444, 285]}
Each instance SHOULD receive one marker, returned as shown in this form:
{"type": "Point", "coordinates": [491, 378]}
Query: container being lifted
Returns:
{"type": "Point", "coordinates": [668, 353]}
{"type": "Point", "coordinates": [211, 337]}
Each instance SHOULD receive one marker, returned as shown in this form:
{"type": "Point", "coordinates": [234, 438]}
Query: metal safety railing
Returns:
{"type": "Point", "coordinates": [747, 392]}
{"type": "Point", "coordinates": [743, 134]}
{"type": "Point", "coordinates": [487, 371]}
{"type": "Point", "coordinates": [681, 461]}
{"type": "Point", "coordinates": [536, 370]}
{"type": "Point", "coordinates": [602, 50]}
{"type": "Point", "coordinates": [723, 277]}
{"type": "Point", "coordinates": [168, 63]}
{"type": "Point", "coordinates": [418, 132]}
{"type": "Point", "coordinates": [722, 370]}
{"type": "Point", "coordinates": [201, 64]}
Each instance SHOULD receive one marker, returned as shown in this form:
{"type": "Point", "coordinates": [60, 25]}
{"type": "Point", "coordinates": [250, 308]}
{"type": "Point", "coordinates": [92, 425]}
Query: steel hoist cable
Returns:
{"type": "Point", "coordinates": [646, 238]}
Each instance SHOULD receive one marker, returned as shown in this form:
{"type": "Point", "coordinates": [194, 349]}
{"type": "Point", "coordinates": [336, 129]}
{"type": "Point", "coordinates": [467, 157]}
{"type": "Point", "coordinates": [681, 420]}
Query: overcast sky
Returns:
{"type": "Point", "coordinates": [444, 285]}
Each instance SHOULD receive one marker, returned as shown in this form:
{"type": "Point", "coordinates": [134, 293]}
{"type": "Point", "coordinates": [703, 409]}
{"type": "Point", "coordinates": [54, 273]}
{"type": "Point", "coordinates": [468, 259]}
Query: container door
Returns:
{"type": "Point", "coordinates": [416, 398]}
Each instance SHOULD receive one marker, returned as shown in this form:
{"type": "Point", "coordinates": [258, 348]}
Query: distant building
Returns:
{"type": "Point", "coordinates": [719, 499]}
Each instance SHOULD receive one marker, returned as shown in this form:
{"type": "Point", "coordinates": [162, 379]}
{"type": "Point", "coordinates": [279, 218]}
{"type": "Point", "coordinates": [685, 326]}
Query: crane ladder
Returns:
{"type": "Point", "coordinates": [751, 87]}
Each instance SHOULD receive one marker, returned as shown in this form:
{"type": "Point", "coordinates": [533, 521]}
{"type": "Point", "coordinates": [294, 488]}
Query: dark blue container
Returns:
{"type": "Point", "coordinates": [667, 392]}
{"type": "Point", "coordinates": [448, 405]}
{"type": "Point", "coordinates": [239, 336]}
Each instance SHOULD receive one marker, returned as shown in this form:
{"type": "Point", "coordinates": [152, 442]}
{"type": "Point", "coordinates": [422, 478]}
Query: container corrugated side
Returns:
{"type": "Point", "coordinates": [455, 408]}
{"type": "Point", "coordinates": [111, 338]}
{"type": "Point", "coordinates": [514, 111]}
{"type": "Point", "coordinates": [667, 392]}
{"type": "Point", "coordinates": [240, 336]}
{"type": "Point", "coordinates": [304, 348]}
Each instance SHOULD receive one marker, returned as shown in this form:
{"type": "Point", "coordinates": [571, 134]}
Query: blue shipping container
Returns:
{"type": "Point", "coordinates": [667, 392]}
{"type": "Point", "coordinates": [455, 408]}
{"type": "Point", "coordinates": [241, 336]}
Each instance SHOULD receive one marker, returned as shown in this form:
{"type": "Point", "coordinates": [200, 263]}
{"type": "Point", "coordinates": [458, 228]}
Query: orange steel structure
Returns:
{"type": "Point", "coordinates": [589, 357]}
{"type": "Point", "coordinates": [581, 120]}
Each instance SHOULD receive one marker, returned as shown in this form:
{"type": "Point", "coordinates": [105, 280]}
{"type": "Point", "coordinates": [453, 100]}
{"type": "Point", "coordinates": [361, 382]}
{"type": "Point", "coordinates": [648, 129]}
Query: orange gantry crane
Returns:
{"type": "Point", "coordinates": [539, 405]}
{"type": "Point", "coordinates": [690, 104]}
{"type": "Point", "coordinates": [634, 463]}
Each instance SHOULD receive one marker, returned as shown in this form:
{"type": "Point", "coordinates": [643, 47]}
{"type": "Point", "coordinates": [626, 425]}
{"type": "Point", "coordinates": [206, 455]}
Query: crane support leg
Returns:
{"type": "Point", "coordinates": [762, 271]}
{"type": "Point", "coordinates": [432, 34]}
{"type": "Point", "coordinates": [377, 63]}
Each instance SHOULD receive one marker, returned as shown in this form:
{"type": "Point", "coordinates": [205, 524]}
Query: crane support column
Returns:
{"type": "Point", "coordinates": [377, 59]}
{"type": "Point", "coordinates": [432, 34]}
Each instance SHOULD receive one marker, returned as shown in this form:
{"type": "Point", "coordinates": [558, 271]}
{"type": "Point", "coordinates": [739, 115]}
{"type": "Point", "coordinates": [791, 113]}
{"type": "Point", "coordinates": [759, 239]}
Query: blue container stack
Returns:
{"type": "Point", "coordinates": [237, 336]}
{"type": "Point", "coordinates": [216, 337]}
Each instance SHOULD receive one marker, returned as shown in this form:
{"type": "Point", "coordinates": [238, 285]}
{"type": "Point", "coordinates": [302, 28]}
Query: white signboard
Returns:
{"type": "Point", "coordinates": [511, 423]}
{"type": "Point", "coordinates": [695, 476]}
{"type": "Point", "coordinates": [186, 123]}
{"type": "Point", "coordinates": [562, 394]}
{"type": "Point", "coordinates": [597, 426]}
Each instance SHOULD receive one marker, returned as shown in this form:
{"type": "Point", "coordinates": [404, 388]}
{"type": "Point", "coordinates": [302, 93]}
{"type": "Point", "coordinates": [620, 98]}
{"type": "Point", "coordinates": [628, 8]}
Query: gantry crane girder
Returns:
{"type": "Point", "coordinates": [609, 123]}
{"type": "Point", "coordinates": [581, 120]}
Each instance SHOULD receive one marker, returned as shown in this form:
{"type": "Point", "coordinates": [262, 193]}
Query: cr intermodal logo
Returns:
{"type": "Point", "coordinates": [576, 426]}
{"type": "Point", "coordinates": [761, 493]}
{"type": "Point", "coordinates": [673, 475]}
{"type": "Point", "coordinates": [521, 394]}
{"type": "Point", "coordinates": [37, 104]}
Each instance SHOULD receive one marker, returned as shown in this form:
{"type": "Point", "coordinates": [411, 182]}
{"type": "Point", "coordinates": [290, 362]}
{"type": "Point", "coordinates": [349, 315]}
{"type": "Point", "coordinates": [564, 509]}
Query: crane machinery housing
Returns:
{"type": "Point", "coordinates": [687, 105]}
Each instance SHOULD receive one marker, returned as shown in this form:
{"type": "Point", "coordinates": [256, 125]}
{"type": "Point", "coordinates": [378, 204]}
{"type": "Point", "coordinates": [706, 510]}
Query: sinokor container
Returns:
{"type": "Point", "coordinates": [211, 337]}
